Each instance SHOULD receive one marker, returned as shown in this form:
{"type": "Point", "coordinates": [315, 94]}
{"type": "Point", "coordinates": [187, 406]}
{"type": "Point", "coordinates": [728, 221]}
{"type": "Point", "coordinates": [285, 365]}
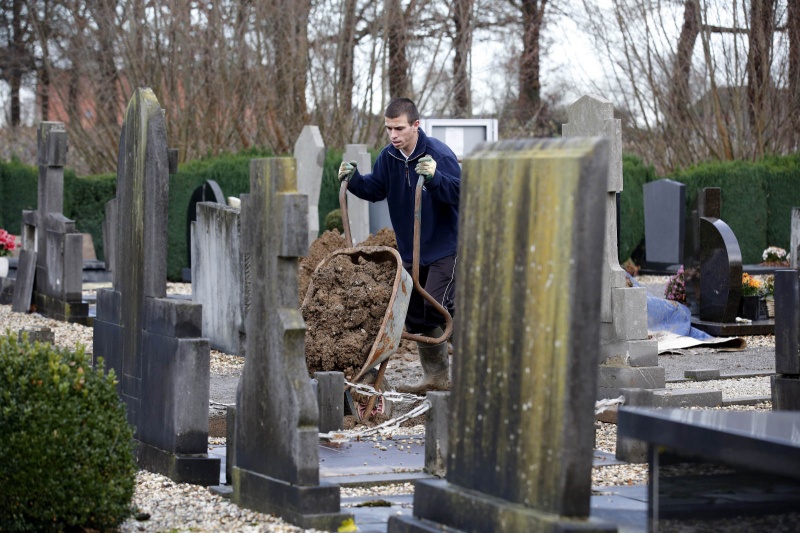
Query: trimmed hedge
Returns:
{"type": "Point", "coordinates": [631, 203]}
{"type": "Point", "coordinates": [66, 448]}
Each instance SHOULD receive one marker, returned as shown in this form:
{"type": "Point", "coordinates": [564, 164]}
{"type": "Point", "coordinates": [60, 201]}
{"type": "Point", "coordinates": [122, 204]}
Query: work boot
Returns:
{"type": "Point", "coordinates": [435, 366]}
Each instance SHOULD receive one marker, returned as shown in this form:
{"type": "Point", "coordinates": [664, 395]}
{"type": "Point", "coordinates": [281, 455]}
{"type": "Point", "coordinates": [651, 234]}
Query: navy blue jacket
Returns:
{"type": "Point", "coordinates": [395, 180]}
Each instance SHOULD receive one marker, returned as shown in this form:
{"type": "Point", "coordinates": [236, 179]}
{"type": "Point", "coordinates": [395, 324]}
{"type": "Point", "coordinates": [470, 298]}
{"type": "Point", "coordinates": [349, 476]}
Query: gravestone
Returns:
{"type": "Point", "coordinates": [358, 209]}
{"type": "Point", "coordinates": [217, 271]}
{"type": "Point", "coordinates": [58, 247]}
{"type": "Point", "coordinates": [276, 452]}
{"type": "Point", "coordinates": [708, 204]}
{"type": "Point", "coordinates": [664, 218]}
{"type": "Point", "coordinates": [786, 381]}
{"type": "Point", "coordinates": [720, 271]}
{"type": "Point", "coordinates": [794, 245]}
{"type": "Point", "coordinates": [209, 191]}
{"type": "Point", "coordinates": [521, 429]}
{"type": "Point", "coordinates": [23, 288]}
{"type": "Point", "coordinates": [153, 343]}
{"type": "Point", "coordinates": [110, 234]}
{"type": "Point", "coordinates": [309, 151]}
{"type": "Point", "coordinates": [628, 359]}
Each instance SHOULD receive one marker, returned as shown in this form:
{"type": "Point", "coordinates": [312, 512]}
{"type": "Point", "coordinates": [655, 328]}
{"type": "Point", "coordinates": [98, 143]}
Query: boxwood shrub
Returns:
{"type": "Point", "coordinates": [66, 455]}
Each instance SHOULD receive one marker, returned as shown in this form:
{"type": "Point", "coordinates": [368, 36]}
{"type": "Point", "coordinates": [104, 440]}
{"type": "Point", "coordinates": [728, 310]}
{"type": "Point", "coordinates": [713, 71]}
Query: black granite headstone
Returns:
{"type": "Point", "coordinates": [786, 382]}
{"type": "Point", "coordinates": [664, 218]}
{"type": "Point", "coordinates": [708, 203]}
{"type": "Point", "coordinates": [720, 271]}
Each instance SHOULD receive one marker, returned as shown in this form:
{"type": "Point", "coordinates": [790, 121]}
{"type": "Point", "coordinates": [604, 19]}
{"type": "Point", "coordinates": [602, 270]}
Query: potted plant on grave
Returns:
{"type": "Point", "coordinates": [676, 287]}
{"type": "Point", "coordinates": [769, 296]}
{"type": "Point", "coordinates": [752, 290]}
{"type": "Point", "coordinates": [7, 244]}
{"type": "Point", "coordinates": [774, 256]}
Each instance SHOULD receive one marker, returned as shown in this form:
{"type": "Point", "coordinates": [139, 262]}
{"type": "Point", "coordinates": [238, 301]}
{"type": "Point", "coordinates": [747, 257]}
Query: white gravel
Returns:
{"type": "Point", "coordinates": [731, 388]}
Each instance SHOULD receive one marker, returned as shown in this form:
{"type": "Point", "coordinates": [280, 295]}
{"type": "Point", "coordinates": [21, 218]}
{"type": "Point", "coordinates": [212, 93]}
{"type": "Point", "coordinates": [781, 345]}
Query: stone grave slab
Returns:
{"type": "Point", "coordinates": [57, 281]}
{"type": "Point", "coordinates": [217, 275]}
{"type": "Point", "coordinates": [209, 191]}
{"type": "Point", "coordinates": [276, 455]}
{"type": "Point", "coordinates": [522, 401]}
{"type": "Point", "coordinates": [23, 290]}
{"type": "Point", "coordinates": [358, 209]}
{"type": "Point", "coordinates": [759, 450]}
{"type": "Point", "coordinates": [309, 151]}
{"type": "Point", "coordinates": [152, 342]}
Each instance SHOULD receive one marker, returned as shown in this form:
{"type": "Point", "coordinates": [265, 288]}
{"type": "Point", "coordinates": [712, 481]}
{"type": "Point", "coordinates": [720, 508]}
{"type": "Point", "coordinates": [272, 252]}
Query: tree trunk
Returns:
{"type": "Point", "coordinates": [682, 69]}
{"type": "Point", "coordinates": [793, 27]}
{"type": "Point", "coordinates": [530, 103]}
{"type": "Point", "coordinates": [17, 52]}
{"type": "Point", "coordinates": [397, 37]}
{"type": "Point", "coordinates": [343, 114]}
{"type": "Point", "coordinates": [759, 59]}
{"type": "Point", "coordinates": [462, 44]}
{"type": "Point", "coordinates": [291, 57]}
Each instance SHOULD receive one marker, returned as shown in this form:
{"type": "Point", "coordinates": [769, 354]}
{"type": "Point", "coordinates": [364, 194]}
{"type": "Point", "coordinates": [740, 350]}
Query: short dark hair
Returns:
{"type": "Point", "coordinates": [402, 106]}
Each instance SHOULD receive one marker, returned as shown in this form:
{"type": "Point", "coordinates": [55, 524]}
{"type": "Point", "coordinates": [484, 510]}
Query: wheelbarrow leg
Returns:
{"type": "Point", "coordinates": [376, 385]}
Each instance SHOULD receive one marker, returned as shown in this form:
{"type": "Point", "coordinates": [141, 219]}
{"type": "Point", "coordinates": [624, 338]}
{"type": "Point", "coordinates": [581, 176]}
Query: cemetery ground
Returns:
{"type": "Point", "coordinates": [162, 505]}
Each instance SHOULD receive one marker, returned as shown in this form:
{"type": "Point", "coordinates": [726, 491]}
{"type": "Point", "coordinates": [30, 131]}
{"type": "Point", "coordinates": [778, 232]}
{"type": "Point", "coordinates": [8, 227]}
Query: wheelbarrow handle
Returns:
{"type": "Point", "coordinates": [448, 320]}
{"type": "Point", "coordinates": [348, 238]}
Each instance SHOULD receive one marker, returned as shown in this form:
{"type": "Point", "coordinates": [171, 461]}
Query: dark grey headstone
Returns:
{"type": "Point", "coordinates": [437, 433]}
{"type": "Point", "coordinates": [153, 343]}
{"type": "Point", "coordinates": [720, 271]}
{"type": "Point", "coordinates": [664, 218]}
{"type": "Point", "coordinates": [330, 400]}
{"type": "Point", "coordinates": [277, 435]}
{"type": "Point", "coordinates": [787, 322]}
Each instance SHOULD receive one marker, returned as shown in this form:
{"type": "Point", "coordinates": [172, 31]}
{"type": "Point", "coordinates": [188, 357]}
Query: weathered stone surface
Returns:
{"type": "Point", "coordinates": [309, 151]}
{"type": "Point", "coordinates": [23, 291]}
{"type": "Point", "coordinates": [437, 433]}
{"type": "Point", "coordinates": [785, 393]}
{"type": "Point", "coordinates": [720, 271]}
{"type": "Point", "coordinates": [277, 456]}
{"type": "Point", "coordinates": [209, 191]}
{"type": "Point", "coordinates": [618, 377]}
{"type": "Point", "coordinates": [521, 410]}
{"type": "Point", "coordinates": [629, 353]}
{"type": "Point", "coordinates": [58, 275]}
{"type": "Point", "coordinates": [330, 400]}
{"type": "Point", "coordinates": [153, 343]}
{"type": "Point", "coordinates": [358, 209]}
{"type": "Point", "coordinates": [217, 272]}
{"type": "Point", "coordinates": [702, 374]}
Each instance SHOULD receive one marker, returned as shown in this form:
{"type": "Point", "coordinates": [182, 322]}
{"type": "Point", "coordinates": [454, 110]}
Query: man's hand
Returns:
{"type": "Point", "coordinates": [346, 170]}
{"type": "Point", "coordinates": [426, 167]}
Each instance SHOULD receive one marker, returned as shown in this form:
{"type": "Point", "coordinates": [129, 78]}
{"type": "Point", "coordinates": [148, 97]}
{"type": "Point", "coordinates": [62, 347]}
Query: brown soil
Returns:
{"type": "Point", "coordinates": [385, 237]}
{"type": "Point", "coordinates": [344, 314]}
{"type": "Point", "coordinates": [328, 242]}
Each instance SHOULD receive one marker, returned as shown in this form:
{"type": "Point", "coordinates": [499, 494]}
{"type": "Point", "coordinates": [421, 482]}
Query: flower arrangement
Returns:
{"type": "Point", "coordinates": [773, 254]}
{"type": "Point", "coordinates": [7, 243]}
{"type": "Point", "coordinates": [751, 286]}
{"type": "Point", "coordinates": [769, 286]}
{"type": "Point", "coordinates": [676, 287]}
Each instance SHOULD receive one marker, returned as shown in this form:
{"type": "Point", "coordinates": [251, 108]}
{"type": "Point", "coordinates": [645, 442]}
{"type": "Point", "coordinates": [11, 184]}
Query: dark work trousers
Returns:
{"type": "Point", "coordinates": [439, 280]}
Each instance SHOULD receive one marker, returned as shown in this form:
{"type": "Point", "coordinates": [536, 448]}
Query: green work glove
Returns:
{"type": "Point", "coordinates": [426, 167]}
{"type": "Point", "coordinates": [346, 170]}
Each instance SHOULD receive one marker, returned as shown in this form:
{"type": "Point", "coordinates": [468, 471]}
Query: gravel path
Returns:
{"type": "Point", "coordinates": [162, 505]}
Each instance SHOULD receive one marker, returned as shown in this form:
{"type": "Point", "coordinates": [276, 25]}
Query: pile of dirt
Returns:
{"type": "Point", "coordinates": [344, 314]}
{"type": "Point", "coordinates": [385, 237]}
{"type": "Point", "coordinates": [328, 242]}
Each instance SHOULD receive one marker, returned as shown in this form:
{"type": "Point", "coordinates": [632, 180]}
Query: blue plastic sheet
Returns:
{"type": "Point", "coordinates": [671, 316]}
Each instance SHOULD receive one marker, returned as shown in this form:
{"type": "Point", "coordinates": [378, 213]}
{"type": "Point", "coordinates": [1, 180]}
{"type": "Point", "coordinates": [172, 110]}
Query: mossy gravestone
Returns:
{"type": "Point", "coordinates": [152, 342]}
{"type": "Point", "coordinates": [521, 423]}
{"type": "Point", "coordinates": [276, 449]}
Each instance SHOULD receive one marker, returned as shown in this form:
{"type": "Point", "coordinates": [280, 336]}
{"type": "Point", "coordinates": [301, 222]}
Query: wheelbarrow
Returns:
{"type": "Point", "coordinates": [391, 331]}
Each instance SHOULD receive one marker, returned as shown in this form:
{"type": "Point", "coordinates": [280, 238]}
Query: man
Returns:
{"type": "Point", "coordinates": [409, 155]}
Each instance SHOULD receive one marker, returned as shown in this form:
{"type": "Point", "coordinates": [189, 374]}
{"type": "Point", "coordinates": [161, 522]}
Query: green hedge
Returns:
{"type": "Point", "coordinates": [757, 199]}
{"type": "Point", "coordinates": [18, 192]}
{"type": "Point", "coordinates": [631, 211]}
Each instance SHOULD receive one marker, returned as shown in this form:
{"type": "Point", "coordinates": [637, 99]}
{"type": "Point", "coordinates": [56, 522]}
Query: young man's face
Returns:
{"type": "Point", "coordinates": [402, 134]}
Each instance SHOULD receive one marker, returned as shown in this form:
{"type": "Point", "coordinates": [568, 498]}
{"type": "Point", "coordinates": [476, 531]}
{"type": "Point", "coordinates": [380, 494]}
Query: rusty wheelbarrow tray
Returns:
{"type": "Point", "coordinates": [392, 328]}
